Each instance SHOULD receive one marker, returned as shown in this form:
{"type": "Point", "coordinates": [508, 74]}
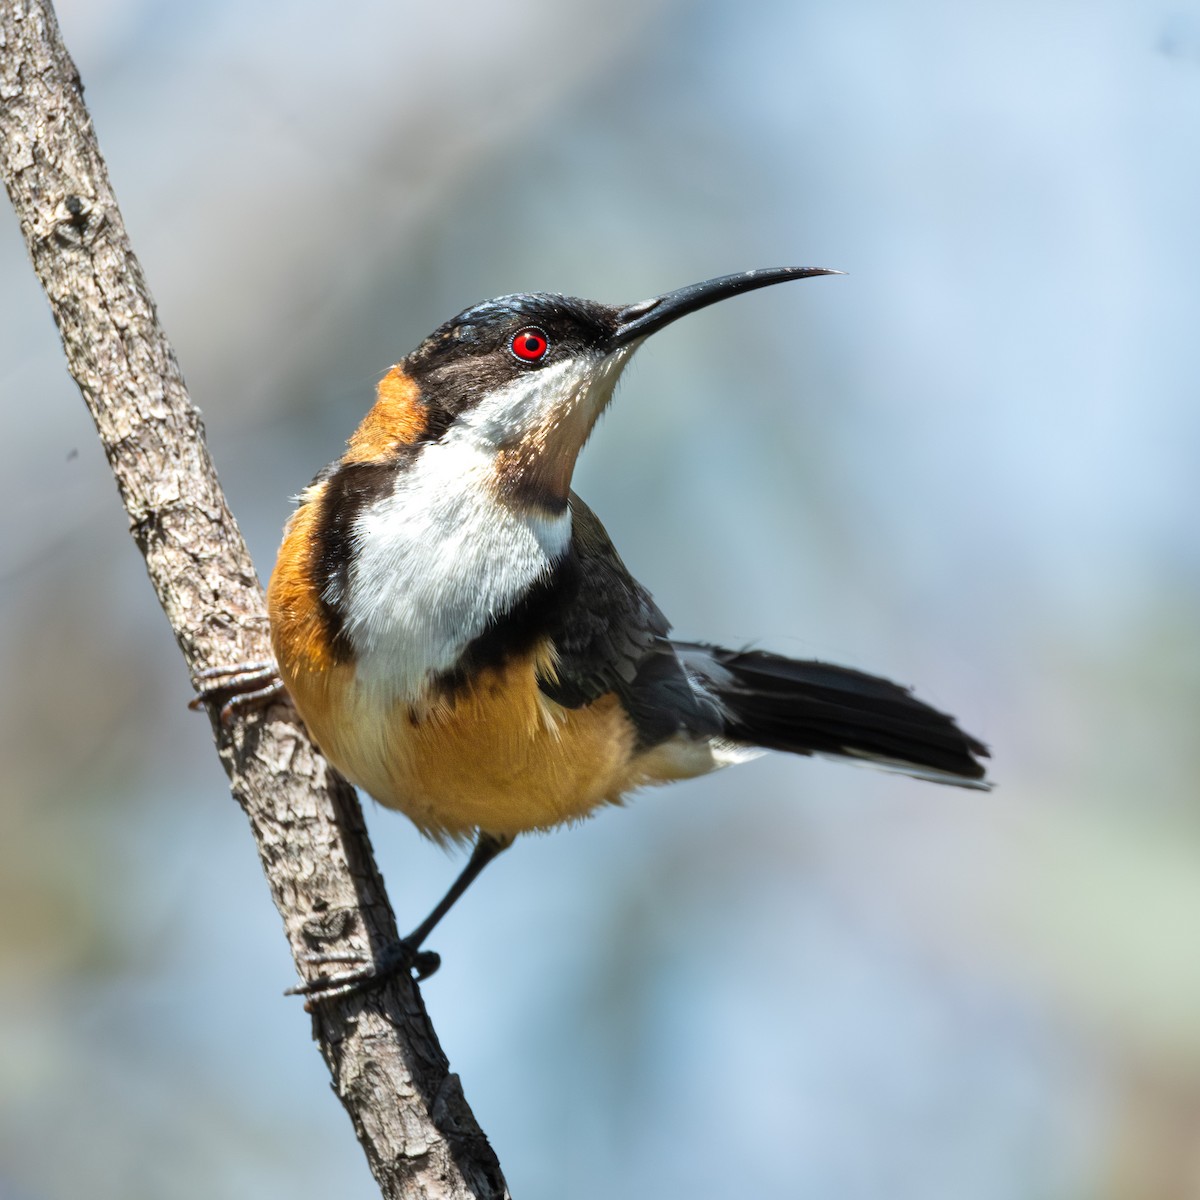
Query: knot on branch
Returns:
{"type": "Point", "coordinates": [77, 220]}
{"type": "Point", "coordinates": [333, 925]}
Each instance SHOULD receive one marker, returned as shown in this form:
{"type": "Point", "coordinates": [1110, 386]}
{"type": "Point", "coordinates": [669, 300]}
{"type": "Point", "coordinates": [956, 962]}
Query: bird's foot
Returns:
{"type": "Point", "coordinates": [241, 687]}
{"type": "Point", "coordinates": [400, 956]}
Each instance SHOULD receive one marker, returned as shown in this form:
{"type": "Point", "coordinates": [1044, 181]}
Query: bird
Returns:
{"type": "Point", "coordinates": [462, 640]}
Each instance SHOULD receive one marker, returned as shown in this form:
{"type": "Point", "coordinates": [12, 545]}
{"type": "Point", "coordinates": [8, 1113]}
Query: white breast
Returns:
{"type": "Point", "coordinates": [436, 560]}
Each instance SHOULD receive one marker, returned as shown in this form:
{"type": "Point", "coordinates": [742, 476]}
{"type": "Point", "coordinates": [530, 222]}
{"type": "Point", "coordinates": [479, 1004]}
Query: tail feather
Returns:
{"type": "Point", "coordinates": [818, 708]}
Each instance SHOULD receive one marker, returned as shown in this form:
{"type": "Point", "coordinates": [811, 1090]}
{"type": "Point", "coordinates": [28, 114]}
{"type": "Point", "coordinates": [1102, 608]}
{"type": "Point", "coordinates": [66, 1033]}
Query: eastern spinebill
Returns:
{"type": "Point", "coordinates": [462, 639]}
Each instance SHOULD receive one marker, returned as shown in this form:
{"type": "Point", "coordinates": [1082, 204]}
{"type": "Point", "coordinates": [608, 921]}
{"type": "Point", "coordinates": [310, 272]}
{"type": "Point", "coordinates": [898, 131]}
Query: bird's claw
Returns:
{"type": "Point", "coordinates": [400, 956]}
{"type": "Point", "coordinates": [245, 686]}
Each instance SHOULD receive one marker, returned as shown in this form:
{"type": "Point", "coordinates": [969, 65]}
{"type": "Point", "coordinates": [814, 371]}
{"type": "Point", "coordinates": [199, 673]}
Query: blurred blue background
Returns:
{"type": "Point", "coordinates": [971, 465]}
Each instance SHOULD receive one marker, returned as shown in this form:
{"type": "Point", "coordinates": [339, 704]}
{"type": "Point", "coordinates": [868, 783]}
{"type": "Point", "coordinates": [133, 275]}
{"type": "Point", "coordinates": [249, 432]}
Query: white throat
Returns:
{"type": "Point", "coordinates": [436, 560]}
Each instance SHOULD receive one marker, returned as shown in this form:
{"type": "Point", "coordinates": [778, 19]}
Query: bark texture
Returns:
{"type": "Point", "coordinates": [408, 1110]}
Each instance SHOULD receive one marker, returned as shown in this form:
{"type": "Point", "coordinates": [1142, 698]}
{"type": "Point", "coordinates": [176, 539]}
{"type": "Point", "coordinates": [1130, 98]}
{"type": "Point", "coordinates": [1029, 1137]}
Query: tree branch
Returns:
{"type": "Point", "coordinates": [409, 1112]}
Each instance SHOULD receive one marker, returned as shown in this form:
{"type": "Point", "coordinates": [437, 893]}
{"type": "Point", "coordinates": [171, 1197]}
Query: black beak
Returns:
{"type": "Point", "coordinates": [640, 320]}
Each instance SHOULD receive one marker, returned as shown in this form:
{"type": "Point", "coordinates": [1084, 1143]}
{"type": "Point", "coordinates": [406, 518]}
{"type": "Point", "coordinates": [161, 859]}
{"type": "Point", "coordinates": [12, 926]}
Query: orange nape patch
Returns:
{"type": "Point", "coordinates": [397, 418]}
{"type": "Point", "coordinates": [298, 633]}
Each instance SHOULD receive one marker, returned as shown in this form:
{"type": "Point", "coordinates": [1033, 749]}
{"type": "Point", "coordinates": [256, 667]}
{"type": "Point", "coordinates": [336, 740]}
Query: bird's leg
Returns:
{"type": "Point", "coordinates": [243, 686]}
{"type": "Point", "coordinates": [487, 847]}
{"type": "Point", "coordinates": [406, 954]}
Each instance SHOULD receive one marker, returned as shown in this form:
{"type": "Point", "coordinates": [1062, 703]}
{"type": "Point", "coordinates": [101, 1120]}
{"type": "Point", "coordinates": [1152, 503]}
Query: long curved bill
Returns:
{"type": "Point", "coordinates": [649, 316]}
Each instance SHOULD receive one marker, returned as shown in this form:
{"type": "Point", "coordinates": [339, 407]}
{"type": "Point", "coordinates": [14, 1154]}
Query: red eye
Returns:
{"type": "Point", "coordinates": [529, 345]}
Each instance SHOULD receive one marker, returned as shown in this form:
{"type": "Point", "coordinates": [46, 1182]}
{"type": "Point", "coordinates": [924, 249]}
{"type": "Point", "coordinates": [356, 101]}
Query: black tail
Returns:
{"type": "Point", "coordinates": [816, 708]}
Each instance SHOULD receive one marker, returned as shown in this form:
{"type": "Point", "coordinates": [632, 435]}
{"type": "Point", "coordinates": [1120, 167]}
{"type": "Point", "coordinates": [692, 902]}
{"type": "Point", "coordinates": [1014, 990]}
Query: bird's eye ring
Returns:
{"type": "Point", "coordinates": [529, 345]}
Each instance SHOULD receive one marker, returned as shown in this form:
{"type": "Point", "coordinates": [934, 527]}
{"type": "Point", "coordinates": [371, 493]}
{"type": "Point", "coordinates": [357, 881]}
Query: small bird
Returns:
{"type": "Point", "coordinates": [464, 643]}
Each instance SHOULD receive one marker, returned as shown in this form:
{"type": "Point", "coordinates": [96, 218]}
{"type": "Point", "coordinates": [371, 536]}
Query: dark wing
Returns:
{"type": "Point", "coordinates": [611, 638]}
{"type": "Point", "coordinates": [609, 626]}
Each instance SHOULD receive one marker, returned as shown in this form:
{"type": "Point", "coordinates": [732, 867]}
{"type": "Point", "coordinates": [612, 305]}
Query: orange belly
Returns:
{"type": "Point", "coordinates": [497, 756]}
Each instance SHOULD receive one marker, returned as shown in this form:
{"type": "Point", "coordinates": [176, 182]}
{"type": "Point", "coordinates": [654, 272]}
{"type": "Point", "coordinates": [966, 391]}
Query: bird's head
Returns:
{"type": "Point", "coordinates": [523, 378]}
